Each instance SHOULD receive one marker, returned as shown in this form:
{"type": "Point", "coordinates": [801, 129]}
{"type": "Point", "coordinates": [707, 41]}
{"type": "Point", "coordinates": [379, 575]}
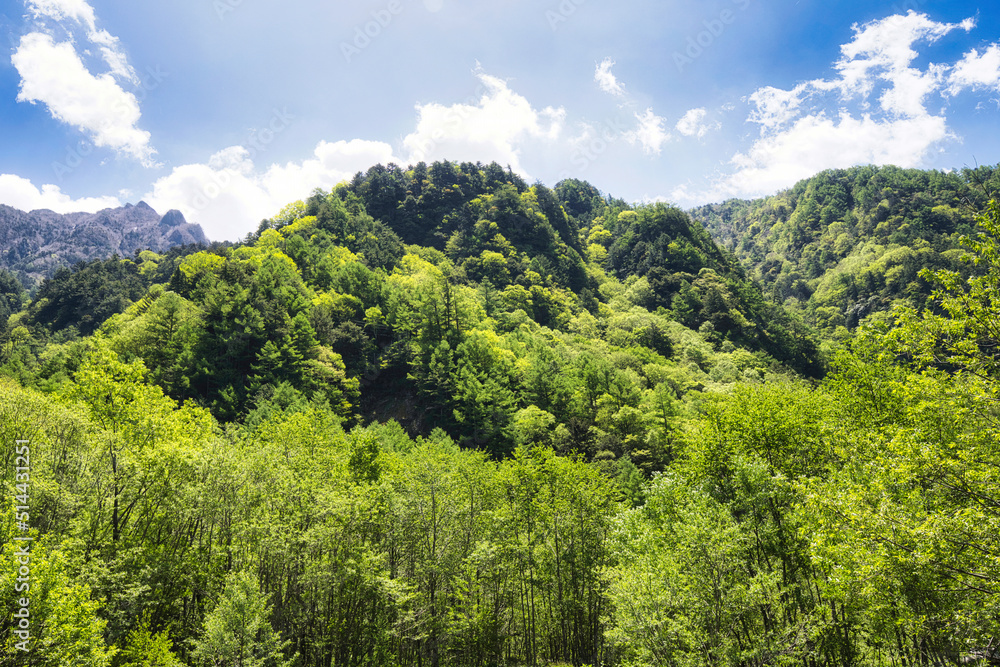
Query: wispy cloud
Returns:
{"type": "Point", "coordinates": [651, 133]}
{"type": "Point", "coordinates": [53, 73]}
{"type": "Point", "coordinates": [692, 123]}
{"type": "Point", "coordinates": [606, 80]}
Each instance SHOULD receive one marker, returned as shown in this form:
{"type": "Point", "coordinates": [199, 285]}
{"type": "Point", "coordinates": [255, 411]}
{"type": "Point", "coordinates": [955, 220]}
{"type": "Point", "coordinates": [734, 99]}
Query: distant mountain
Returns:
{"type": "Point", "coordinates": [34, 244]}
{"type": "Point", "coordinates": [849, 242]}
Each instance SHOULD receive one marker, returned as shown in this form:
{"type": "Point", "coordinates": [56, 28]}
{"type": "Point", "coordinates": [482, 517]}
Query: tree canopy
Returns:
{"type": "Point", "coordinates": [437, 416]}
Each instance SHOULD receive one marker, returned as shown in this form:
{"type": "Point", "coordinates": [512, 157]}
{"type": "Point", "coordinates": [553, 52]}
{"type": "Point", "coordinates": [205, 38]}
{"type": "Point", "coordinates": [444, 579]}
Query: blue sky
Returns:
{"type": "Point", "coordinates": [229, 109]}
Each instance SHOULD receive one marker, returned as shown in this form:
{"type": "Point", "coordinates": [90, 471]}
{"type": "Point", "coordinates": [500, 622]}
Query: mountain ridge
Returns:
{"type": "Point", "coordinates": [845, 243]}
{"type": "Point", "coordinates": [40, 241]}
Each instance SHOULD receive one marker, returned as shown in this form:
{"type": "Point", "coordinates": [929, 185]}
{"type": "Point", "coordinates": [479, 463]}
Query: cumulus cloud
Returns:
{"type": "Point", "coordinates": [883, 49]}
{"type": "Point", "coordinates": [816, 142]}
{"type": "Point", "coordinates": [878, 58]}
{"type": "Point", "coordinates": [54, 74]}
{"type": "Point", "coordinates": [651, 133]}
{"type": "Point", "coordinates": [812, 126]}
{"type": "Point", "coordinates": [606, 80]}
{"type": "Point", "coordinates": [22, 194]}
{"type": "Point", "coordinates": [976, 71]}
{"type": "Point", "coordinates": [490, 128]}
{"type": "Point", "coordinates": [229, 195]}
{"type": "Point", "coordinates": [692, 123]}
{"type": "Point", "coordinates": [907, 96]}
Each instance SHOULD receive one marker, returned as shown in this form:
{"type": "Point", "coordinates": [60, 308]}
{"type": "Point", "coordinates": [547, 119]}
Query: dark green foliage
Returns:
{"type": "Point", "coordinates": [350, 342]}
{"type": "Point", "coordinates": [86, 295]}
{"type": "Point", "coordinates": [12, 296]}
{"type": "Point", "coordinates": [581, 200]}
{"type": "Point", "coordinates": [659, 236]}
{"type": "Point", "coordinates": [450, 207]}
{"type": "Point", "coordinates": [847, 243]}
{"type": "Point", "coordinates": [702, 285]}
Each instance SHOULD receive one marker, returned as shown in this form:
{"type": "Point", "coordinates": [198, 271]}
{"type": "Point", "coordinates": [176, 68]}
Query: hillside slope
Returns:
{"type": "Point", "coordinates": [849, 242]}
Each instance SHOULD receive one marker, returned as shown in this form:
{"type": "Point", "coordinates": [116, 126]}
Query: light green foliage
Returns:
{"type": "Point", "coordinates": [908, 523]}
{"type": "Point", "coordinates": [238, 631]}
{"type": "Point", "coordinates": [144, 648]}
{"type": "Point", "coordinates": [681, 589]}
{"type": "Point", "coordinates": [321, 447]}
{"type": "Point", "coordinates": [534, 426]}
{"type": "Point", "coordinates": [781, 424]}
{"type": "Point", "coordinates": [64, 625]}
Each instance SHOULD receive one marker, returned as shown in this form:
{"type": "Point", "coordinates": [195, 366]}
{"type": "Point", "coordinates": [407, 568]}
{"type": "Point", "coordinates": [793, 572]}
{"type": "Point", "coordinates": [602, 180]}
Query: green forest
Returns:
{"type": "Point", "coordinates": [440, 416]}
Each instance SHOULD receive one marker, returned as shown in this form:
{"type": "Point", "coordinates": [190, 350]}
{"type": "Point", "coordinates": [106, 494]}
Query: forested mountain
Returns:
{"type": "Point", "coordinates": [437, 416]}
{"type": "Point", "coordinates": [667, 259]}
{"type": "Point", "coordinates": [846, 243]}
{"type": "Point", "coordinates": [35, 244]}
{"type": "Point", "coordinates": [507, 299]}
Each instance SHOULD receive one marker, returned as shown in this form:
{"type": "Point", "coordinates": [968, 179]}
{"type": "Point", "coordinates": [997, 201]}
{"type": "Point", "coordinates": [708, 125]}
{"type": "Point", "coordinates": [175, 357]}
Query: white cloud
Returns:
{"type": "Point", "coordinates": [651, 133]}
{"type": "Point", "coordinates": [82, 13]}
{"type": "Point", "coordinates": [492, 128]}
{"type": "Point", "coordinates": [22, 194]}
{"type": "Point", "coordinates": [815, 143]}
{"type": "Point", "coordinates": [884, 49]}
{"type": "Point", "coordinates": [606, 80]}
{"type": "Point", "coordinates": [331, 163]}
{"type": "Point", "coordinates": [812, 126]}
{"type": "Point", "coordinates": [775, 107]}
{"type": "Point", "coordinates": [229, 195]}
{"type": "Point", "coordinates": [54, 75]}
{"type": "Point", "coordinates": [879, 56]}
{"type": "Point", "coordinates": [910, 87]}
{"type": "Point", "coordinates": [60, 10]}
{"type": "Point", "coordinates": [692, 124]}
{"type": "Point", "coordinates": [976, 71]}
{"type": "Point", "coordinates": [113, 55]}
